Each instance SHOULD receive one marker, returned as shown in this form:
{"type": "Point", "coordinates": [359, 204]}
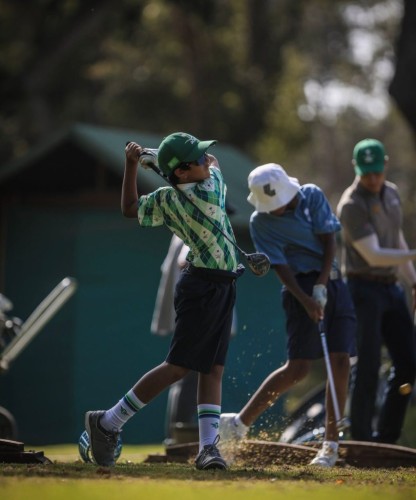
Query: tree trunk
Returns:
{"type": "Point", "coordinates": [402, 87]}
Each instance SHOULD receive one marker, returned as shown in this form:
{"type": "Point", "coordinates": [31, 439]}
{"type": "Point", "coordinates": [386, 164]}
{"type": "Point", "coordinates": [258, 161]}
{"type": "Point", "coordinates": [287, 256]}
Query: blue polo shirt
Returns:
{"type": "Point", "coordinates": [292, 238]}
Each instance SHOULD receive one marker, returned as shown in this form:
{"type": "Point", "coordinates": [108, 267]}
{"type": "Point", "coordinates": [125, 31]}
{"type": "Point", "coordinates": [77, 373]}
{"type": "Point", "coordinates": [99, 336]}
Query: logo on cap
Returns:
{"type": "Point", "coordinates": [368, 156]}
{"type": "Point", "coordinates": [267, 190]}
{"type": "Point", "coordinates": [190, 138]}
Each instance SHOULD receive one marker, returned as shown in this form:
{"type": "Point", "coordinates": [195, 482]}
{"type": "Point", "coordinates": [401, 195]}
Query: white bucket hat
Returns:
{"type": "Point", "coordinates": [271, 187]}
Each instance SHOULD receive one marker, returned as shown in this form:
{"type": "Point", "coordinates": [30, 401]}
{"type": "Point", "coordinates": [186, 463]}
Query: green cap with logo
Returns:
{"type": "Point", "coordinates": [178, 148]}
{"type": "Point", "coordinates": [369, 156]}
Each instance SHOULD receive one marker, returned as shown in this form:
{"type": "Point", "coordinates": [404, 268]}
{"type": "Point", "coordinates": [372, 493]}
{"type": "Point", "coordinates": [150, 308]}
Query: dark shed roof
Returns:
{"type": "Point", "coordinates": [60, 160]}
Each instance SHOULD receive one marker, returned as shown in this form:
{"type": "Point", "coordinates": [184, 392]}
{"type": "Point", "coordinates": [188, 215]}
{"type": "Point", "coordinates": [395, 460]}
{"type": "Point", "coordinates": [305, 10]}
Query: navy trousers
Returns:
{"type": "Point", "coordinates": [383, 317]}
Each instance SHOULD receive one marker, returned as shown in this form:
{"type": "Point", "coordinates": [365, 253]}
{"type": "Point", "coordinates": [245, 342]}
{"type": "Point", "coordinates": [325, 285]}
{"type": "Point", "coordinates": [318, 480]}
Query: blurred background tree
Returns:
{"type": "Point", "coordinates": [298, 83]}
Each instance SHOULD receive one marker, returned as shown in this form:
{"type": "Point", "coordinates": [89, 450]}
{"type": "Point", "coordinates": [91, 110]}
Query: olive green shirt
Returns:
{"type": "Point", "coordinates": [363, 213]}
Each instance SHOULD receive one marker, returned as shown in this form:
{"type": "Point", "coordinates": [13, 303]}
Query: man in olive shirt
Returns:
{"type": "Point", "coordinates": [375, 256]}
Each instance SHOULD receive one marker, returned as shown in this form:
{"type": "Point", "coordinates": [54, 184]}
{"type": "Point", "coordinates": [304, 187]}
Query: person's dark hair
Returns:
{"type": "Point", "coordinates": [173, 178]}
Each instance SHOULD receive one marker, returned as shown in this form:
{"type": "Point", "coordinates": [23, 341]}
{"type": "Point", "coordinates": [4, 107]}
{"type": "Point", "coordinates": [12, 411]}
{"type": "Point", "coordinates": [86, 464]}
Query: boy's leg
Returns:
{"type": "Point", "coordinates": [235, 426]}
{"type": "Point", "coordinates": [103, 427]}
{"type": "Point", "coordinates": [209, 405]}
{"type": "Point", "coordinates": [209, 411]}
{"type": "Point", "coordinates": [277, 383]}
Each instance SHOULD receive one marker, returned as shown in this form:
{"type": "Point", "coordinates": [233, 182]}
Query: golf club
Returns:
{"type": "Point", "coordinates": [341, 423]}
{"type": "Point", "coordinates": [258, 263]}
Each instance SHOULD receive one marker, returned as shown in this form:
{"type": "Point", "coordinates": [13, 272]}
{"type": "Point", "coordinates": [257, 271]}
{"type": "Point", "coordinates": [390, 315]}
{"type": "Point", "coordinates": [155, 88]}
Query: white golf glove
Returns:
{"type": "Point", "coordinates": [319, 294]}
{"type": "Point", "coordinates": [148, 156]}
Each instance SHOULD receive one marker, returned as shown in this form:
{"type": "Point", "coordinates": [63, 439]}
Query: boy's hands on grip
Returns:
{"type": "Point", "coordinates": [314, 310]}
{"type": "Point", "coordinates": [319, 294]}
{"type": "Point", "coordinates": [148, 157]}
{"type": "Point", "coordinates": [145, 156]}
{"type": "Point", "coordinates": [133, 152]}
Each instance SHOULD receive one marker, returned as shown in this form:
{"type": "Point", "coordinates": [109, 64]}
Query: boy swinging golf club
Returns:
{"type": "Point", "coordinates": [204, 296]}
{"type": "Point", "coordinates": [295, 227]}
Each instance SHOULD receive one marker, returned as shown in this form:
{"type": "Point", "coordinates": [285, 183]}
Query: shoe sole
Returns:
{"type": "Point", "coordinates": [326, 466]}
{"type": "Point", "coordinates": [88, 429]}
{"type": "Point", "coordinates": [87, 424]}
{"type": "Point", "coordinates": [213, 465]}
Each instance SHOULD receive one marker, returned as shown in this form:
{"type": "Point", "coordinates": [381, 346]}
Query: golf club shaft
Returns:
{"type": "Point", "coordinates": [329, 373]}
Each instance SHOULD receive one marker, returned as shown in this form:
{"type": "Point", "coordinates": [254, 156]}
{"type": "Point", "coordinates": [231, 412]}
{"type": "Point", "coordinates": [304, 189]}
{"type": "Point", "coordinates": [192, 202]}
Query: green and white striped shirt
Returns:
{"type": "Point", "coordinates": [208, 247]}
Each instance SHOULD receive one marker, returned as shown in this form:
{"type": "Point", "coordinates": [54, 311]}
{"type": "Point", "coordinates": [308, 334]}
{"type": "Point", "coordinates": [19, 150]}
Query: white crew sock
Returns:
{"type": "Point", "coordinates": [208, 422]}
{"type": "Point", "coordinates": [117, 416]}
{"type": "Point", "coordinates": [332, 444]}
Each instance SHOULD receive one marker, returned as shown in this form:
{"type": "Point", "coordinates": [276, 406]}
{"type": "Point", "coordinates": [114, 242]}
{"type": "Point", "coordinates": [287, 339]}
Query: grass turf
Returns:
{"type": "Point", "coordinates": [68, 478]}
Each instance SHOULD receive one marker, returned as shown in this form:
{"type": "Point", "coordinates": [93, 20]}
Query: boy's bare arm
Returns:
{"type": "Point", "coordinates": [129, 195]}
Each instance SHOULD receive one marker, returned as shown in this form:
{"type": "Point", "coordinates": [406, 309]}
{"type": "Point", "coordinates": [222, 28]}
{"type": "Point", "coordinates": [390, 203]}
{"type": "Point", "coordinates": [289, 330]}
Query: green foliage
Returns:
{"type": "Point", "coordinates": [298, 83]}
{"type": "Point", "coordinates": [287, 136]}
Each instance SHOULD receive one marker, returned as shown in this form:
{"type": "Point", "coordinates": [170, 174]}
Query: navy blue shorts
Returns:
{"type": "Point", "coordinates": [204, 302]}
{"type": "Point", "coordinates": [304, 341]}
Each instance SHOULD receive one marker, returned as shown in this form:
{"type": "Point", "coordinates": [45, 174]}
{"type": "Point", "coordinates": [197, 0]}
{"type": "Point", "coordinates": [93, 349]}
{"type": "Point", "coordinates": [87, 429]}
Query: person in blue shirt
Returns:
{"type": "Point", "coordinates": [295, 227]}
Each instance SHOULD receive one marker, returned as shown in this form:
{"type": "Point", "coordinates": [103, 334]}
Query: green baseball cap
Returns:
{"type": "Point", "coordinates": [368, 156]}
{"type": "Point", "coordinates": [180, 148]}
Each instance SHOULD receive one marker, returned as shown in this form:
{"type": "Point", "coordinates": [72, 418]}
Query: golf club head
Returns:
{"type": "Point", "coordinates": [259, 263]}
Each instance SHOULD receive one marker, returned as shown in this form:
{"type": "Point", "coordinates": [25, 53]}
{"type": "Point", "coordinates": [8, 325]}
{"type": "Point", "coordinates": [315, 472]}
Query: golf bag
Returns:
{"type": "Point", "coordinates": [9, 329]}
{"type": "Point", "coordinates": [15, 336]}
